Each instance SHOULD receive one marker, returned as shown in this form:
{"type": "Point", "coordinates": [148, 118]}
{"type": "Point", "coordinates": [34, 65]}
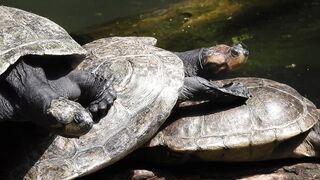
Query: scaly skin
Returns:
{"type": "Point", "coordinates": [34, 93]}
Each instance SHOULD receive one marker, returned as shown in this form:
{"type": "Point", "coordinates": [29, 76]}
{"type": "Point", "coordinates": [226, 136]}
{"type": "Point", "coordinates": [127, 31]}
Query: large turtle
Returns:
{"type": "Point", "coordinates": [276, 122]}
{"type": "Point", "coordinates": [148, 82]}
{"type": "Point", "coordinates": [37, 80]}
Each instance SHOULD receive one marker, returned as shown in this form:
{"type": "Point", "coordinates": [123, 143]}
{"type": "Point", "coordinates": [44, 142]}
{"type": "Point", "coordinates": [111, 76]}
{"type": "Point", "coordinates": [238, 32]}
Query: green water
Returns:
{"type": "Point", "coordinates": [74, 15]}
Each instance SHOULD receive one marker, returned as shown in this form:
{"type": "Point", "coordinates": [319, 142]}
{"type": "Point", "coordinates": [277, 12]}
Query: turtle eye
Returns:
{"type": "Point", "coordinates": [78, 118]}
{"type": "Point", "coordinates": [234, 53]}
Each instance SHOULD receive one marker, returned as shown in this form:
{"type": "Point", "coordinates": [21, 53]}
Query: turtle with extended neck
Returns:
{"type": "Point", "coordinates": [275, 123]}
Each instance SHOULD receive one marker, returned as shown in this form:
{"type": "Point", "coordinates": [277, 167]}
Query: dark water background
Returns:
{"type": "Point", "coordinates": [74, 15]}
{"type": "Point", "coordinates": [285, 46]}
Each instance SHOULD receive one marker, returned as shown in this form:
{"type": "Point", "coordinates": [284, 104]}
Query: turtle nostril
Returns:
{"type": "Point", "coordinates": [246, 53]}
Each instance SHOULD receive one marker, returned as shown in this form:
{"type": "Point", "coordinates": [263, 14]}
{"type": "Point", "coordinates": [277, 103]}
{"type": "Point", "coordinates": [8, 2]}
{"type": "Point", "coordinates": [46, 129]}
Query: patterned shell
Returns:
{"type": "Point", "coordinates": [252, 131]}
{"type": "Point", "coordinates": [147, 80]}
{"type": "Point", "coordinates": [23, 33]}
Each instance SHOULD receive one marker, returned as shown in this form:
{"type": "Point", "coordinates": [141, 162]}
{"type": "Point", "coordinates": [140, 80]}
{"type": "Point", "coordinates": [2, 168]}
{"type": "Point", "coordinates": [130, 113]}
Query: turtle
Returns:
{"type": "Point", "coordinates": [39, 82]}
{"type": "Point", "coordinates": [276, 122]}
{"type": "Point", "coordinates": [148, 82]}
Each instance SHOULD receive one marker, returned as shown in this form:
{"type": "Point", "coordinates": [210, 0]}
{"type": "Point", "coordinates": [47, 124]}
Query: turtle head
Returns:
{"type": "Point", "coordinates": [223, 58]}
{"type": "Point", "coordinates": [313, 138]}
{"type": "Point", "coordinates": [312, 141]}
{"type": "Point", "coordinates": [69, 118]}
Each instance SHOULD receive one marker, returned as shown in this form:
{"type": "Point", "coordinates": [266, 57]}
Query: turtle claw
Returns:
{"type": "Point", "coordinates": [236, 89]}
{"type": "Point", "coordinates": [103, 100]}
{"type": "Point", "coordinates": [97, 93]}
{"type": "Point", "coordinates": [201, 89]}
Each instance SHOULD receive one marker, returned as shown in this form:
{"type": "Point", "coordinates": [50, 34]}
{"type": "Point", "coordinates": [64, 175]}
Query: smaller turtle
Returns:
{"type": "Point", "coordinates": [276, 122]}
{"type": "Point", "coordinates": [37, 79]}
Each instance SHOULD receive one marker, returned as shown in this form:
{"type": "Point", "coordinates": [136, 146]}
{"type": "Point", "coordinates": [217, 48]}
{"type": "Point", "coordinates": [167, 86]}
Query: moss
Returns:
{"type": "Point", "coordinates": [188, 24]}
{"type": "Point", "coordinates": [241, 38]}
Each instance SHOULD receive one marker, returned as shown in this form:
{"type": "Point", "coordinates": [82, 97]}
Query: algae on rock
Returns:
{"type": "Point", "coordinates": [188, 24]}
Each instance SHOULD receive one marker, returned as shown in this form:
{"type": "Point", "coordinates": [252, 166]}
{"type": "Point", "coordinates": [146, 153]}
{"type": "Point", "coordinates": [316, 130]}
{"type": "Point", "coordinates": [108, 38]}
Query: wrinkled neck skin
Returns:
{"type": "Point", "coordinates": [193, 61]}
{"type": "Point", "coordinates": [9, 106]}
{"type": "Point", "coordinates": [6, 109]}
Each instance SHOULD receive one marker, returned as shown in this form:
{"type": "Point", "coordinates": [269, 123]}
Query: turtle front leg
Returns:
{"type": "Point", "coordinates": [41, 104]}
{"type": "Point", "coordinates": [197, 88]}
{"type": "Point", "coordinates": [96, 92]}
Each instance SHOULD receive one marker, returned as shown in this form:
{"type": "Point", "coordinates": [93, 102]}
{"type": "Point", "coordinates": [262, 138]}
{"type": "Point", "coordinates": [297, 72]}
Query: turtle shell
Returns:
{"type": "Point", "coordinates": [147, 80]}
{"type": "Point", "coordinates": [23, 33]}
{"type": "Point", "coordinates": [257, 130]}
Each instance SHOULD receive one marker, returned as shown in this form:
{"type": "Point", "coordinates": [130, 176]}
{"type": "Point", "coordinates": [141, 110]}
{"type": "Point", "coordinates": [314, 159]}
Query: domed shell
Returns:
{"type": "Point", "coordinates": [24, 33]}
{"type": "Point", "coordinates": [147, 80]}
{"type": "Point", "coordinates": [252, 131]}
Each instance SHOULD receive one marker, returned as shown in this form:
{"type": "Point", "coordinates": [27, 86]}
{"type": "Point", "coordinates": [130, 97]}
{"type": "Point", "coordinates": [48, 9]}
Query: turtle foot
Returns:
{"type": "Point", "coordinates": [236, 89]}
{"type": "Point", "coordinates": [197, 88]}
{"type": "Point", "coordinates": [46, 102]}
{"type": "Point", "coordinates": [103, 97]}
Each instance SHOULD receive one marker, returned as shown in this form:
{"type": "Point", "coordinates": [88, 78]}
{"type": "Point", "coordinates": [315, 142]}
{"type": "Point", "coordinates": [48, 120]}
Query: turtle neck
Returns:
{"type": "Point", "coordinates": [193, 61]}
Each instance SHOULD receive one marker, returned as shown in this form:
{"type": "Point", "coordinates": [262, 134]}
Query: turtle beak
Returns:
{"type": "Point", "coordinates": [246, 53]}
{"type": "Point", "coordinates": [242, 50]}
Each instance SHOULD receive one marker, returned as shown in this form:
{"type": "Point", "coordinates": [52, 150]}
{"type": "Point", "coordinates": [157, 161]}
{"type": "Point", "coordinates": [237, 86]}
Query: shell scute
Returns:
{"type": "Point", "coordinates": [274, 114]}
{"type": "Point", "coordinates": [147, 87]}
{"type": "Point", "coordinates": [23, 33]}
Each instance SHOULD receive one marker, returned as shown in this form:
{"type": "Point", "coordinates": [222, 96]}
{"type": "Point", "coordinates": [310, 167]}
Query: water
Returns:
{"type": "Point", "coordinates": [285, 47]}
{"type": "Point", "coordinates": [74, 15]}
